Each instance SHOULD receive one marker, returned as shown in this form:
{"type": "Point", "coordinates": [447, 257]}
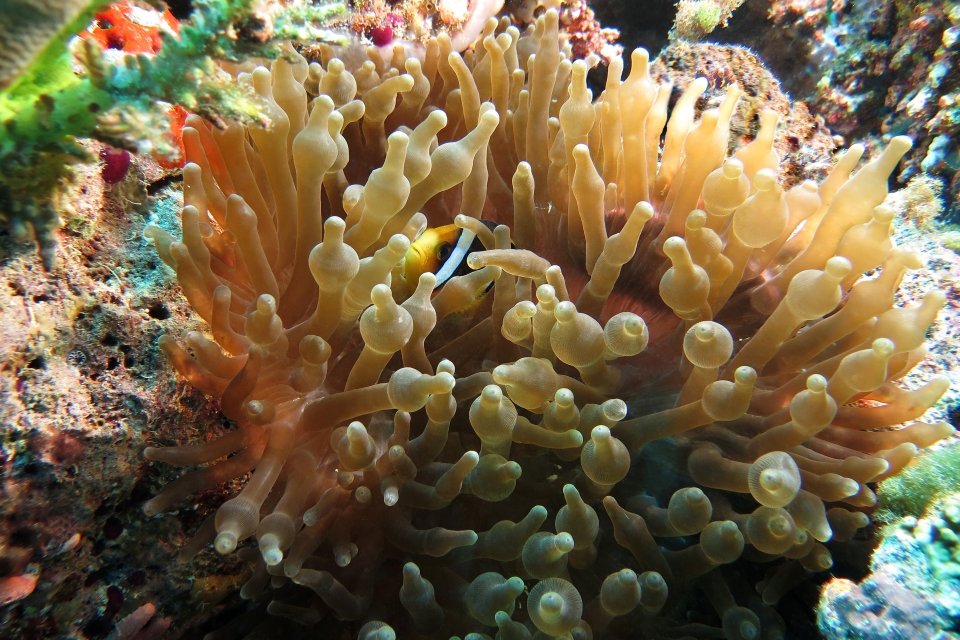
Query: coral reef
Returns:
{"type": "Point", "coordinates": [553, 442]}
{"type": "Point", "coordinates": [615, 348]}
{"type": "Point", "coordinates": [386, 24]}
{"type": "Point", "coordinates": [884, 604]}
{"type": "Point", "coordinates": [913, 591]}
{"type": "Point", "coordinates": [872, 69]}
{"type": "Point", "coordinates": [83, 386]}
{"type": "Point", "coordinates": [130, 29]}
{"type": "Point", "coordinates": [587, 35]}
{"type": "Point", "coordinates": [411, 23]}
{"type": "Point", "coordinates": [696, 19]}
{"type": "Point", "coordinates": [648, 28]}
{"type": "Point", "coordinates": [46, 107]}
{"type": "Point", "coordinates": [578, 24]}
{"type": "Point", "coordinates": [804, 145]}
{"type": "Point", "coordinates": [914, 205]}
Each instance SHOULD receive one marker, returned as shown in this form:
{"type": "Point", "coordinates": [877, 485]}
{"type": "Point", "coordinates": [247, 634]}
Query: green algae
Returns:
{"type": "Point", "coordinates": [930, 477]}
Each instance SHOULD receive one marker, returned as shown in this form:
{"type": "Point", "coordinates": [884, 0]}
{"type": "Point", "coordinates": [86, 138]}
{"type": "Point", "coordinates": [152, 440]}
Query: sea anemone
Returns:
{"type": "Point", "coordinates": [644, 354]}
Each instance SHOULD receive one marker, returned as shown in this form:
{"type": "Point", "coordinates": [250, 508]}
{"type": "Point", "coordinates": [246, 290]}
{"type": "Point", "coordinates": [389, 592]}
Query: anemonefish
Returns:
{"type": "Point", "coordinates": [441, 251]}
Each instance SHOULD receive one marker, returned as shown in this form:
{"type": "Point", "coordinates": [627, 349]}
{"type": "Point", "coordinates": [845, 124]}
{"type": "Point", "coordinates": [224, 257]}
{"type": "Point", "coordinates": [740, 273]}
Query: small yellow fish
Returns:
{"type": "Point", "coordinates": [442, 251]}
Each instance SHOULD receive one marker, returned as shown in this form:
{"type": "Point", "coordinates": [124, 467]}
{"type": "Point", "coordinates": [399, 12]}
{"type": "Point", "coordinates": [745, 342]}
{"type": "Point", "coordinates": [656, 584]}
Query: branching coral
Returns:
{"type": "Point", "coordinates": [642, 355]}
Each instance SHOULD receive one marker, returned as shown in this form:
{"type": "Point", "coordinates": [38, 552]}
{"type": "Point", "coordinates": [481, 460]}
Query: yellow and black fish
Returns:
{"type": "Point", "coordinates": [443, 252]}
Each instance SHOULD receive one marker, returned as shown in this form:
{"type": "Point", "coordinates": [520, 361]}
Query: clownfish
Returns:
{"type": "Point", "coordinates": [441, 251]}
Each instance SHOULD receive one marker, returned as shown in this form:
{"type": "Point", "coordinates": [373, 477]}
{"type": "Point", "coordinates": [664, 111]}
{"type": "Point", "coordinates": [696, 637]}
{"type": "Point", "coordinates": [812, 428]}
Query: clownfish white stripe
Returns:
{"type": "Point", "coordinates": [457, 256]}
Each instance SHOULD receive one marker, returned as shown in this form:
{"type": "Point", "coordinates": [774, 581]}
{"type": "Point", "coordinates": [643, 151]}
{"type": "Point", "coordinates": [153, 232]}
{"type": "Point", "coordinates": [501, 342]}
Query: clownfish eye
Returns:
{"type": "Point", "coordinates": [443, 250]}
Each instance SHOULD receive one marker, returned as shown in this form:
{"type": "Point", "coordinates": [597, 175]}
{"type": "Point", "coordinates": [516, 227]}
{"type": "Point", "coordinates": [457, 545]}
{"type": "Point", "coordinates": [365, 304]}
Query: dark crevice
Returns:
{"type": "Point", "coordinates": [180, 9]}
{"type": "Point", "coordinates": [154, 187]}
{"type": "Point", "coordinates": [158, 311]}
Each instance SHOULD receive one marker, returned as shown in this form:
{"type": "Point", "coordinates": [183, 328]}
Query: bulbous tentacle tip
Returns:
{"type": "Point", "coordinates": [272, 556]}
{"type": "Point", "coordinates": [226, 542]}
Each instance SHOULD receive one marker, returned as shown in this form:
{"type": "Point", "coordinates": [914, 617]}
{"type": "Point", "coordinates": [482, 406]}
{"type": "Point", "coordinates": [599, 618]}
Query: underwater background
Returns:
{"type": "Point", "coordinates": [95, 99]}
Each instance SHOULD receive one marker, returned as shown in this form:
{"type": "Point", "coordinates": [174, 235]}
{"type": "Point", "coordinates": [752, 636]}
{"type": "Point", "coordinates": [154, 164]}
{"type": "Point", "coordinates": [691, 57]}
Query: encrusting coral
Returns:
{"type": "Point", "coordinates": [640, 330]}
{"type": "Point", "coordinates": [912, 589]}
